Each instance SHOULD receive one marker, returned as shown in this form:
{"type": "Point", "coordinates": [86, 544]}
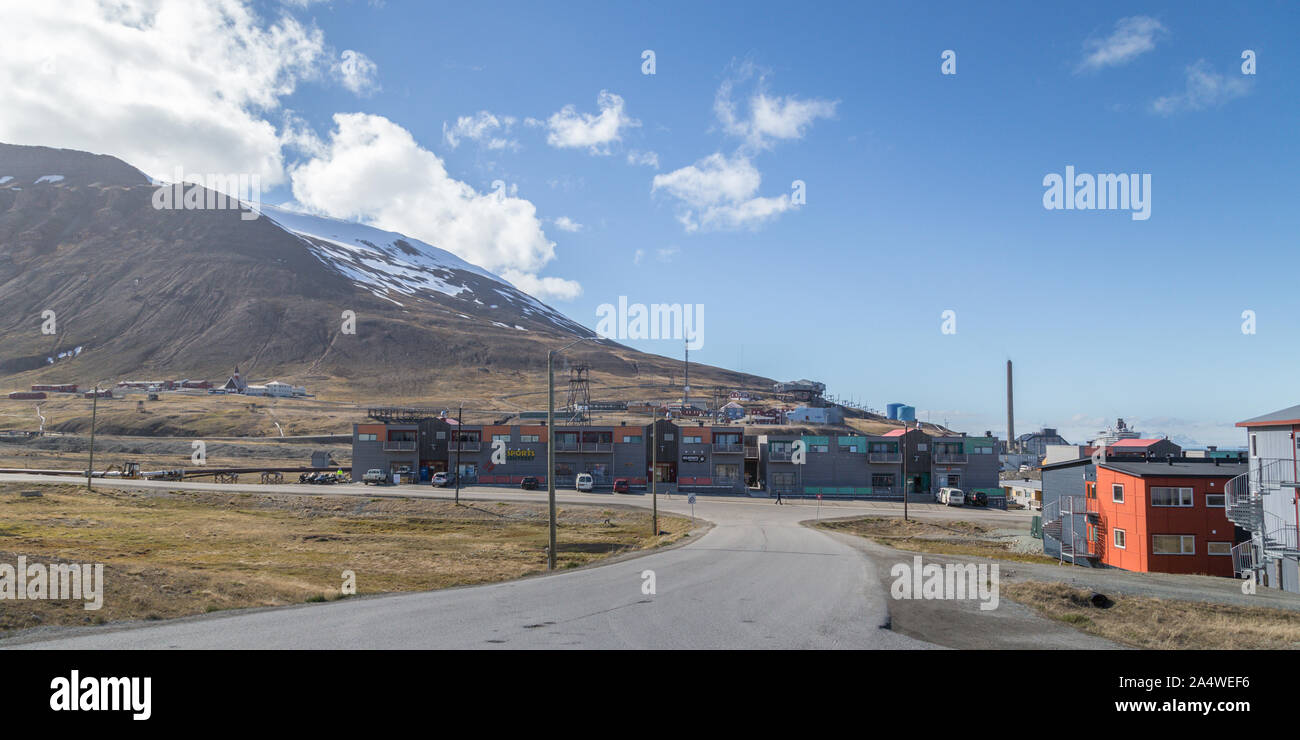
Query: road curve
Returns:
{"type": "Point", "coordinates": [758, 579]}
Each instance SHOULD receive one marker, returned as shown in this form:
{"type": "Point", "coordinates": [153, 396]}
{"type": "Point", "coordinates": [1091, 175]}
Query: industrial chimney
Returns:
{"type": "Point", "coordinates": [1011, 415]}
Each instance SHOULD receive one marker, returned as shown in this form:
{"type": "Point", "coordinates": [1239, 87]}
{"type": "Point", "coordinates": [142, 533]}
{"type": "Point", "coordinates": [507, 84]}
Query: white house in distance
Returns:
{"type": "Point", "coordinates": [275, 388]}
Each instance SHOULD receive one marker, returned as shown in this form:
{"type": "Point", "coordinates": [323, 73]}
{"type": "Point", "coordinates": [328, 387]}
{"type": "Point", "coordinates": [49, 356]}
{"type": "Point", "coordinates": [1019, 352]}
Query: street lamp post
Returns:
{"type": "Point", "coordinates": [550, 444]}
{"type": "Point", "coordinates": [459, 438]}
{"type": "Point", "coordinates": [94, 405]}
{"type": "Point", "coordinates": [654, 475]}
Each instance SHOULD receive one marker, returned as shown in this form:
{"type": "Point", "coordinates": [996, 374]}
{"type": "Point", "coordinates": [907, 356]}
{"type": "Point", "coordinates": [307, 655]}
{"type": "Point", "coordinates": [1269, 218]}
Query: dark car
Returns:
{"type": "Point", "coordinates": [620, 485]}
{"type": "Point", "coordinates": [529, 483]}
{"type": "Point", "coordinates": [977, 498]}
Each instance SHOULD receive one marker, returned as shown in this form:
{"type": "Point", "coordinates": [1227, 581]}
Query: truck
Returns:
{"type": "Point", "coordinates": [376, 476]}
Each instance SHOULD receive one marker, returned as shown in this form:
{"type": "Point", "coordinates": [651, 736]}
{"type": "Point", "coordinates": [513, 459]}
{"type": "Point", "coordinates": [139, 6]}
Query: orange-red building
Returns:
{"type": "Point", "coordinates": [1166, 517]}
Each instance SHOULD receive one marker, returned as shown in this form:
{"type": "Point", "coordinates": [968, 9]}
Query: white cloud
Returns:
{"type": "Point", "coordinates": [770, 117]}
{"type": "Point", "coordinates": [1132, 37]}
{"type": "Point", "coordinates": [357, 72]}
{"type": "Point", "coordinates": [648, 159]}
{"type": "Point", "coordinates": [720, 193]}
{"type": "Point", "coordinates": [1204, 88]}
{"type": "Point", "coordinates": [667, 253]}
{"type": "Point", "coordinates": [569, 129]}
{"type": "Point", "coordinates": [483, 127]}
{"type": "Point", "coordinates": [198, 78]}
{"type": "Point", "coordinates": [373, 169]}
{"type": "Point", "coordinates": [637, 256]}
{"type": "Point", "coordinates": [564, 223]}
{"type": "Point", "coordinates": [545, 288]}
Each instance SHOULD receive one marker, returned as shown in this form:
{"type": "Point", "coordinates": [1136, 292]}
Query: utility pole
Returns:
{"type": "Point", "coordinates": [459, 438]}
{"type": "Point", "coordinates": [902, 447]}
{"type": "Point", "coordinates": [654, 473]}
{"type": "Point", "coordinates": [550, 444]}
{"type": "Point", "coordinates": [550, 453]}
{"type": "Point", "coordinates": [94, 405]}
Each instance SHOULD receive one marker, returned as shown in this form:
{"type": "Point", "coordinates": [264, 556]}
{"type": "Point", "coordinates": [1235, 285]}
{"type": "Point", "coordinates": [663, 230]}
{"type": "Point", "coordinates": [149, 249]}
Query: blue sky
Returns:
{"type": "Point", "coordinates": [924, 191]}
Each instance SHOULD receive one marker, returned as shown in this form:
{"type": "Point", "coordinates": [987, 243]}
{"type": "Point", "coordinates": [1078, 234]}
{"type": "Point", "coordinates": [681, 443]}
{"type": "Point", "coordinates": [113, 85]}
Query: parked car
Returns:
{"type": "Point", "coordinates": [443, 479]}
{"type": "Point", "coordinates": [376, 476]}
{"type": "Point", "coordinates": [977, 498]}
{"type": "Point", "coordinates": [584, 482]}
{"type": "Point", "coordinates": [621, 485]}
{"type": "Point", "coordinates": [529, 483]}
{"type": "Point", "coordinates": [952, 496]}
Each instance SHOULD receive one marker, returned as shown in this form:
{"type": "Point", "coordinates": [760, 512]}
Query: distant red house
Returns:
{"type": "Point", "coordinates": [56, 388]}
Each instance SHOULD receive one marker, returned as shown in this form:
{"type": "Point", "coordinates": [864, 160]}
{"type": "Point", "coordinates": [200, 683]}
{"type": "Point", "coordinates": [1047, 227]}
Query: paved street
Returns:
{"type": "Point", "coordinates": [758, 579]}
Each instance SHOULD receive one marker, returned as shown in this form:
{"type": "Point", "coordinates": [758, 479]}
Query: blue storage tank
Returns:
{"type": "Point", "coordinates": [891, 410]}
{"type": "Point", "coordinates": [907, 413]}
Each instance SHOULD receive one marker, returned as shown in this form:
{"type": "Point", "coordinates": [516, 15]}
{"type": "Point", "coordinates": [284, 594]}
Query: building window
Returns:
{"type": "Point", "coordinates": [441, 435]}
{"type": "Point", "coordinates": [1218, 548]}
{"type": "Point", "coordinates": [1090, 490]}
{"type": "Point", "coordinates": [1214, 501]}
{"type": "Point", "coordinates": [1173, 544]}
{"type": "Point", "coordinates": [1117, 493]}
{"type": "Point", "coordinates": [922, 447]}
{"type": "Point", "coordinates": [668, 437]}
{"type": "Point", "coordinates": [692, 440]}
{"type": "Point", "coordinates": [1162, 496]}
{"type": "Point", "coordinates": [529, 438]}
{"type": "Point", "coordinates": [882, 480]}
{"type": "Point", "coordinates": [634, 439]}
{"type": "Point", "coordinates": [1253, 451]}
{"type": "Point", "coordinates": [819, 448]}
{"type": "Point", "coordinates": [729, 470]}
{"type": "Point", "coordinates": [1119, 538]}
{"type": "Point", "coordinates": [501, 438]}
{"type": "Point", "coordinates": [367, 438]}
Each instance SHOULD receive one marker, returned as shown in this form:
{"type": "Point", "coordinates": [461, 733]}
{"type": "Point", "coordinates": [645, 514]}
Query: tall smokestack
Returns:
{"type": "Point", "coordinates": [1011, 414]}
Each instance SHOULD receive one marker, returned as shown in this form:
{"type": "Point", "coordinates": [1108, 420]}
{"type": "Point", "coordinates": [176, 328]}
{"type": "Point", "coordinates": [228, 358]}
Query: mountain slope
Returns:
{"type": "Point", "coordinates": [141, 292]}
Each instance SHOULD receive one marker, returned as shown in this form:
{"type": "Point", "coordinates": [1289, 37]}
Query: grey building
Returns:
{"type": "Point", "coordinates": [1063, 483]}
{"type": "Point", "coordinates": [1035, 443]}
{"type": "Point", "coordinates": [878, 466]}
{"type": "Point", "coordinates": [1264, 501]}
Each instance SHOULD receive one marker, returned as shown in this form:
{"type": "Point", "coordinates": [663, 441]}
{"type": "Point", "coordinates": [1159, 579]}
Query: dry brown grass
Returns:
{"type": "Point", "coordinates": [169, 554]}
{"type": "Point", "coordinates": [1163, 624]}
{"type": "Point", "coordinates": [940, 538]}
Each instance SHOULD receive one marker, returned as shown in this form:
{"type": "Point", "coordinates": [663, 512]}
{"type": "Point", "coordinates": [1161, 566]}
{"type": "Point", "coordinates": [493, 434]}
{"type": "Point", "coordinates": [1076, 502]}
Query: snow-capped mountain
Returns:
{"type": "Point", "coordinates": [138, 291]}
{"type": "Point", "coordinates": [394, 267]}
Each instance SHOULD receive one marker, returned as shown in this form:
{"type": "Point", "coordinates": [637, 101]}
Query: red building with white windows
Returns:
{"type": "Point", "coordinates": [1161, 516]}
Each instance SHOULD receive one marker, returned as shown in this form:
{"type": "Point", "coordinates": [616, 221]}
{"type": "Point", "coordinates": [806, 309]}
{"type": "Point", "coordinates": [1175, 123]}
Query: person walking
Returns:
{"type": "Point", "coordinates": [778, 497]}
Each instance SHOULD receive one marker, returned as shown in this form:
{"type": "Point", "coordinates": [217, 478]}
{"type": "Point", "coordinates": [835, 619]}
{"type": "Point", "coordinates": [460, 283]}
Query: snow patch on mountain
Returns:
{"type": "Point", "coordinates": [385, 261]}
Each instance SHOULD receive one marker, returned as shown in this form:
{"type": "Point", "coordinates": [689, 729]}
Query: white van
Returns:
{"type": "Point", "coordinates": [584, 482]}
{"type": "Point", "coordinates": [952, 496]}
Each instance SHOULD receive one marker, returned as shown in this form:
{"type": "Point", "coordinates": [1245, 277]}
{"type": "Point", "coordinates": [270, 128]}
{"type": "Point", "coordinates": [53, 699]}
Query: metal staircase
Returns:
{"type": "Point", "coordinates": [1059, 524]}
{"type": "Point", "coordinates": [1273, 537]}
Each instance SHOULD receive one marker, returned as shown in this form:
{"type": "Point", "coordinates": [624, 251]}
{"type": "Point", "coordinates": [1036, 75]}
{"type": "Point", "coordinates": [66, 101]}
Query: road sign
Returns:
{"type": "Point", "coordinates": [691, 499]}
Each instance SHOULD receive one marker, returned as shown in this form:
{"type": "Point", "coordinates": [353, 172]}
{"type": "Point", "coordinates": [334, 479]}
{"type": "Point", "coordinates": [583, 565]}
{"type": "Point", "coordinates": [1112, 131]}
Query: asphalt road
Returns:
{"type": "Point", "coordinates": [757, 579]}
